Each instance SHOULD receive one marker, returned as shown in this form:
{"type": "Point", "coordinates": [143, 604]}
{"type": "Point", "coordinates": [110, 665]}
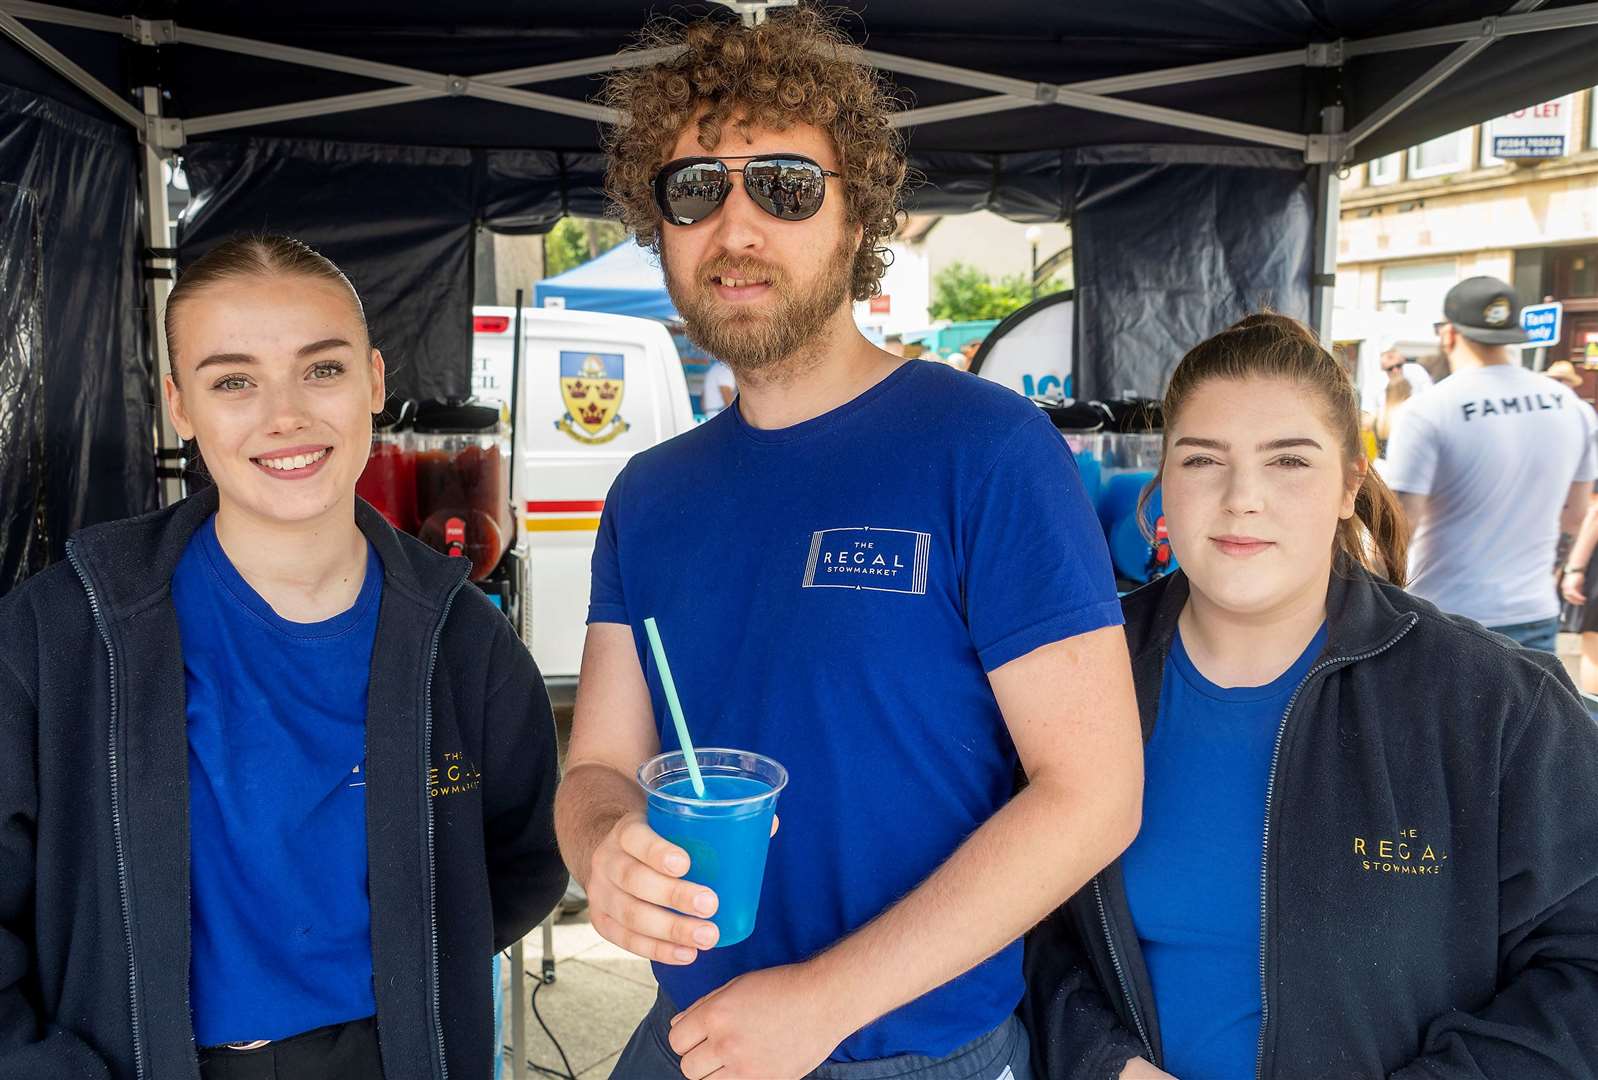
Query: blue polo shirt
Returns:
{"type": "Point", "coordinates": [834, 594]}
{"type": "Point", "coordinates": [281, 925]}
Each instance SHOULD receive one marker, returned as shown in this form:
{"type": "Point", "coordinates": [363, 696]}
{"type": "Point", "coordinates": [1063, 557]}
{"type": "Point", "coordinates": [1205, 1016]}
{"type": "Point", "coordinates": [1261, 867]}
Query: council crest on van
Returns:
{"type": "Point", "coordinates": [592, 384]}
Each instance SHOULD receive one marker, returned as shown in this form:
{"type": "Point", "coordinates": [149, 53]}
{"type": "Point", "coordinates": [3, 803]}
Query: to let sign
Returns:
{"type": "Point", "coordinates": [1538, 131]}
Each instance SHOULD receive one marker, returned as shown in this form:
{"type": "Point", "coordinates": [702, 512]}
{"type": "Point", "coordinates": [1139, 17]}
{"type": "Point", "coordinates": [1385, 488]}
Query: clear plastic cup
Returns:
{"type": "Point", "coordinates": [726, 834]}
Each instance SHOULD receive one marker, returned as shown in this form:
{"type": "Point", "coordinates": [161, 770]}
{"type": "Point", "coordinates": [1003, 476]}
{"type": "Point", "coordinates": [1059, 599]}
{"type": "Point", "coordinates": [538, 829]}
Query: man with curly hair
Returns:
{"type": "Point", "coordinates": [883, 573]}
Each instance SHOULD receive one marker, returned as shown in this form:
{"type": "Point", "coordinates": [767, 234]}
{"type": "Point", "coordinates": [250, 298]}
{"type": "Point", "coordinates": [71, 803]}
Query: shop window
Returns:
{"type": "Point", "coordinates": [1418, 288]}
{"type": "Point", "coordinates": [1385, 170]}
{"type": "Point", "coordinates": [1576, 273]}
{"type": "Point", "coordinates": [1440, 156]}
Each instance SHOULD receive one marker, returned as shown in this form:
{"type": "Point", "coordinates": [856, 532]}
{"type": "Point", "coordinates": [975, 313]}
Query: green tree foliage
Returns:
{"type": "Point", "coordinates": [574, 241]}
{"type": "Point", "coordinates": [962, 293]}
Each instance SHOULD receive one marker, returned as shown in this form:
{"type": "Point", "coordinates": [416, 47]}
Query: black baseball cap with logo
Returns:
{"type": "Point", "coordinates": [1485, 310]}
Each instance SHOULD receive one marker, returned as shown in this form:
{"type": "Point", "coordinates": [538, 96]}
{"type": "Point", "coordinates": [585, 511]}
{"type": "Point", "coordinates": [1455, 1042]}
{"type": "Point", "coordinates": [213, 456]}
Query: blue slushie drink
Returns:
{"type": "Point", "coordinates": [726, 833]}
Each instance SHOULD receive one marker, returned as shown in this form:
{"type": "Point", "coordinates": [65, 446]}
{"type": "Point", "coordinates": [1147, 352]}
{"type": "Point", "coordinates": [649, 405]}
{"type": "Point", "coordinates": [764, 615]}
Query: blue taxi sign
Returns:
{"type": "Point", "coordinates": [1543, 323]}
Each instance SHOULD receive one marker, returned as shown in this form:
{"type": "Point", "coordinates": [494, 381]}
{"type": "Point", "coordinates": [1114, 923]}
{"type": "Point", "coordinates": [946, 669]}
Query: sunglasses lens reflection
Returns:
{"type": "Point", "coordinates": [693, 192]}
{"type": "Point", "coordinates": [785, 188]}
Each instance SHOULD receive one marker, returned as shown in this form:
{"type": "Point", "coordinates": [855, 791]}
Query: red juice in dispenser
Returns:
{"type": "Point", "coordinates": [389, 480]}
{"type": "Point", "coordinates": [463, 482]}
{"type": "Point", "coordinates": [466, 534]}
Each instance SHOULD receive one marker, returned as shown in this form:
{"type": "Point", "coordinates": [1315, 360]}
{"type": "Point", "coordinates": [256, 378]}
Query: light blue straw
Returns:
{"type": "Point", "coordinates": [676, 708]}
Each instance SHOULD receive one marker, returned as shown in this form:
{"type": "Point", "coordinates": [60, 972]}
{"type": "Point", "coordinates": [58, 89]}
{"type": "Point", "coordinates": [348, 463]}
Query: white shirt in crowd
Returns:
{"type": "Point", "coordinates": [716, 377]}
{"type": "Point", "coordinates": [1373, 392]}
{"type": "Point", "coordinates": [1495, 451]}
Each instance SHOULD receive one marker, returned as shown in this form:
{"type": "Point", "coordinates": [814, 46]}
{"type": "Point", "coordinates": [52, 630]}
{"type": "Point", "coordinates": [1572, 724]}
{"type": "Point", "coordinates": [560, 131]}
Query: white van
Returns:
{"type": "Point", "coordinates": [595, 390]}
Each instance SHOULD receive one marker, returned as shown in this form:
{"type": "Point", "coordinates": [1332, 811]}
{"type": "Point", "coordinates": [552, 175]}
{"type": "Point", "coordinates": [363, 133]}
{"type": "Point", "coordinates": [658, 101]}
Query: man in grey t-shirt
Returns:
{"type": "Point", "coordinates": [1491, 465]}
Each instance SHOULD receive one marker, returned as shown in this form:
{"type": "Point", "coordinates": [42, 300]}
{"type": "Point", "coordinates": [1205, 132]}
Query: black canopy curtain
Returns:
{"type": "Point", "coordinates": [1014, 106]}
{"type": "Point", "coordinates": [77, 386]}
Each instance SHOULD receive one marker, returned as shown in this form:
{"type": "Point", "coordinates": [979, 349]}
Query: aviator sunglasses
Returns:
{"type": "Point", "coordinates": [789, 187]}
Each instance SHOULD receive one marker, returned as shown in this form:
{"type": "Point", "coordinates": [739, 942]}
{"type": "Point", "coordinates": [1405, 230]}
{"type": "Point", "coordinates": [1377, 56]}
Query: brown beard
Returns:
{"type": "Point", "coordinates": [767, 343]}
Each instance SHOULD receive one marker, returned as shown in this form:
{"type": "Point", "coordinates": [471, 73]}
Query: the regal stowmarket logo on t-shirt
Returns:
{"type": "Point", "coordinates": [866, 557]}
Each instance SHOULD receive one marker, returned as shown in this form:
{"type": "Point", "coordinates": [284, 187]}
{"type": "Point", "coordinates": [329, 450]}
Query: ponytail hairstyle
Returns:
{"type": "Point", "coordinates": [1271, 346]}
{"type": "Point", "coordinates": [264, 255]}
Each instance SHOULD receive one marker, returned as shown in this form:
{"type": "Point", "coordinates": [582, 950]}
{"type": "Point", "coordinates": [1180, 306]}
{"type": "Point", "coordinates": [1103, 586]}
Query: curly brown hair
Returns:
{"type": "Point", "coordinates": [797, 67]}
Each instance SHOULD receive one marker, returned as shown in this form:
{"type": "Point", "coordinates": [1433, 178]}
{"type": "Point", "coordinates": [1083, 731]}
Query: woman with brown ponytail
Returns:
{"type": "Point", "coordinates": [1369, 828]}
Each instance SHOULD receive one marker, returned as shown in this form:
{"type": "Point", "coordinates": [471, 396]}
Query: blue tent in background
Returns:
{"type": "Point", "coordinates": [625, 280]}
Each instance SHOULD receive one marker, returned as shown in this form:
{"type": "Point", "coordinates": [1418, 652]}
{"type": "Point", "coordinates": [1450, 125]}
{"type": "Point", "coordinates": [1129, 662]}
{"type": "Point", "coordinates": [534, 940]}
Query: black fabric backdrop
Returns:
{"type": "Point", "coordinates": [80, 175]}
{"type": "Point", "coordinates": [397, 220]}
{"type": "Point", "coordinates": [21, 385]}
{"type": "Point", "coordinates": [1172, 243]}
{"type": "Point", "coordinates": [1179, 242]}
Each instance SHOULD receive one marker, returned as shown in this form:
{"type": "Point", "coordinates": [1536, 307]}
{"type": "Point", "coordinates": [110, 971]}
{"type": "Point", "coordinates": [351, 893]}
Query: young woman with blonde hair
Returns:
{"type": "Point", "coordinates": [275, 781]}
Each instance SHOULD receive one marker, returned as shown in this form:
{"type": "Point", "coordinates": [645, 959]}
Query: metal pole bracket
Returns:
{"type": "Point", "coordinates": [164, 134]}
{"type": "Point", "coordinates": [153, 31]}
{"type": "Point", "coordinates": [1325, 54]}
{"type": "Point", "coordinates": [1325, 149]}
{"type": "Point", "coordinates": [754, 12]}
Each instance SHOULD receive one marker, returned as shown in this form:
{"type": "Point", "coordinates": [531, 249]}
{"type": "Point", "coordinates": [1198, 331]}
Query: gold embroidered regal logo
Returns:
{"type": "Point", "coordinates": [456, 776]}
{"type": "Point", "coordinates": [1405, 855]}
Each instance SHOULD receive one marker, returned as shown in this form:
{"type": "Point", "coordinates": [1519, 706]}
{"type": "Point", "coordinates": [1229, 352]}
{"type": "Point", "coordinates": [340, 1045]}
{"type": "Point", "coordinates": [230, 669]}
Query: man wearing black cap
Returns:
{"type": "Point", "coordinates": [1491, 465]}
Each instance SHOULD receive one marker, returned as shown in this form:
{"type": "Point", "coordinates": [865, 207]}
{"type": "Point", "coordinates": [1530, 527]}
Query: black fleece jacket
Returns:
{"type": "Point", "coordinates": [94, 838]}
{"type": "Point", "coordinates": [1430, 874]}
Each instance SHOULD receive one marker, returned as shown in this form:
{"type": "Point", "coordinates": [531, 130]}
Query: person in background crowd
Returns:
{"type": "Point", "coordinates": [1399, 391]}
{"type": "Point", "coordinates": [1577, 578]}
{"type": "Point", "coordinates": [275, 780]}
{"type": "Point", "coordinates": [1563, 371]}
{"type": "Point", "coordinates": [719, 390]}
{"type": "Point", "coordinates": [1387, 366]}
{"type": "Point", "coordinates": [1368, 826]}
{"type": "Point", "coordinates": [909, 598]}
{"type": "Point", "coordinates": [1491, 465]}
{"type": "Point", "coordinates": [1579, 571]}
{"type": "Point", "coordinates": [1387, 385]}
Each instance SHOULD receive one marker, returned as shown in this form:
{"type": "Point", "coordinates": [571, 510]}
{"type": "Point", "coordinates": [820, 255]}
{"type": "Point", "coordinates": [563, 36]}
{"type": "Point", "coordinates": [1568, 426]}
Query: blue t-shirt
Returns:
{"type": "Point", "coordinates": [1193, 873]}
{"type": "Point", "coordinates": [281, 924]}
{"type": "Point", "coordinates": [833, 594]}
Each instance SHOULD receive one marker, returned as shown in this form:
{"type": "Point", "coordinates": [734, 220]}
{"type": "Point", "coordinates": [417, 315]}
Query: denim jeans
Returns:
{"type": "Point", "coordinates": [1542, 635]}
{"type": "Point", "coordinates": [1002, 1054]}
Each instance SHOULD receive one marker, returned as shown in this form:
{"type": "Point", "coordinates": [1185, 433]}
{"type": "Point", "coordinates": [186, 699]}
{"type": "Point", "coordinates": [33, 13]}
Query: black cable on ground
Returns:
{"type": "Point", "coordinates": [568, 1074]}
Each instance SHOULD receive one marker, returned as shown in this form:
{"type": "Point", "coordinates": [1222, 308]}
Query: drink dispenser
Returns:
{"type": "Point", "coordinates": [1081, 424]}
{"type": "Point", "coordinates": [463, 503]}
{"type": "Point", "coordinates": [1131, 456]}
{"type": "Point", "coordinates": [389, 479]}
